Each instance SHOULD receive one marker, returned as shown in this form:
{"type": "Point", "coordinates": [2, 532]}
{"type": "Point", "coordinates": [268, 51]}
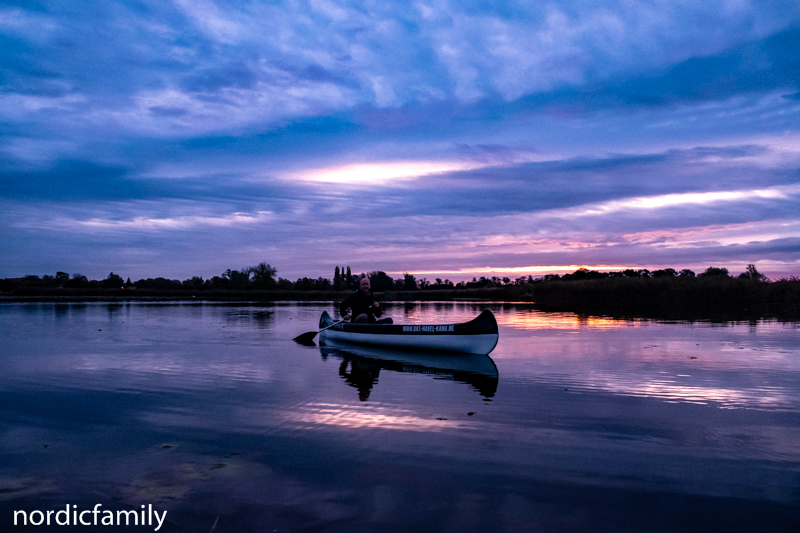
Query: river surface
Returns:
{"type": "Point", "coordinates": [212, 413]}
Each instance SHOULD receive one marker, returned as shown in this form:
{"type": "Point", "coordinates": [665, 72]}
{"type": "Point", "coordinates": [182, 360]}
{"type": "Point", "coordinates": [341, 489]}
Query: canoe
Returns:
{"type": "Point", "coordinates": [478, 336]}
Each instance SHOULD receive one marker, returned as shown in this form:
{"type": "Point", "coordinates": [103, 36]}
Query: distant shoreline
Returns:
{"type": "Point", "coordinates": [715, 299]}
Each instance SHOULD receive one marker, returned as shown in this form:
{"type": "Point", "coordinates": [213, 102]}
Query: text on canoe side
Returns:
{"type": "Point", "coordinates": [428, 329]}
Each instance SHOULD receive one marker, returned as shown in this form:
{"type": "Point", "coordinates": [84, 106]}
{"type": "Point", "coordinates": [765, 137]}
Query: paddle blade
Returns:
{"type": "Point", "coordinates": [306, 338]}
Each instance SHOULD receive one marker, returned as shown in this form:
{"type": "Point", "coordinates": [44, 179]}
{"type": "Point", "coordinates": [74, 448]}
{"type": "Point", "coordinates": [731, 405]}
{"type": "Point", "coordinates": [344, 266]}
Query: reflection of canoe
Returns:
{"type": "Point", "coordinates": [478, 371]}
{"type": "Point", "coordinates": [478, 336]}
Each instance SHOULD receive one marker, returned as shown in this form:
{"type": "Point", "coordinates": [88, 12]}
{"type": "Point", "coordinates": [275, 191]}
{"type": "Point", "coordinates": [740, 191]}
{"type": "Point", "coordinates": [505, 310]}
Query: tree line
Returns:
{"type": "Point", "coordinates": [664, 293]}
{"type": "Point", "coordinates": [262, 277]}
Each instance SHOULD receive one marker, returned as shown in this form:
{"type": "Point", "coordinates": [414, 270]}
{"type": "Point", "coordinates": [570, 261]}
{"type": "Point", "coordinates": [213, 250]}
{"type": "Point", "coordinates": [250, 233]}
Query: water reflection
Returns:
{"type": "Point", "coordinates": [363, 374]}
{"type": "Point", "coordinates": [210, 410]}
{"type": "Point", "coordinates": [259, 318]}
{"type": "Point", "coordinates": [318, 415]}
{"type": "Point", "coordinates": [532, 319]}
{"type": "Point", "coordinates": [361, 366]}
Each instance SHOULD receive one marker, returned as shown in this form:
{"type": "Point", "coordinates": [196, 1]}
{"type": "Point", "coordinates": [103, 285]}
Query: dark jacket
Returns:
{"type": "Point", "coordinates": [359, 303]}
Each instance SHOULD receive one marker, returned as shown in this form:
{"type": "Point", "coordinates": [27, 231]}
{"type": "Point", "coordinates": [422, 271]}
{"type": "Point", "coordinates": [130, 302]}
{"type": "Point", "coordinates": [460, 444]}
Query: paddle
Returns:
{"type": "Point", "coordinates": [308, 336]}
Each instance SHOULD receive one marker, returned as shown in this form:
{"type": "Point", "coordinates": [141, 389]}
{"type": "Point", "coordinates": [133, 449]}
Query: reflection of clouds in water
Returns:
{"type": "Point", "coordinates": [173, 484]}
{"type": "Point", "coordinates": [313, 415]}
{"type": "Point", "coordinates": [536, 320]}
{"type": "Point", "coordinates": [731, 366]}
{"type": "Point", "coordinates": [105, 372]}
{"type": "Point", "coordinates": [510, 315]}
{"type": "Point", "coordinates": [176, 480]}
{"type": "Point", "coordinates": [12, 488]}
{"type": "Point", "coordinates": [301, 417]}
{"type": "Point", "coordinates": [259, 318]}
{"type": "Point", "coordinates": [242, 485]}
{"type": "Point", "coordinates": [671, 389]}
{"type": "Point", "coordinates": [206, 371]}
{"type": "Point", "coordinates": [676, 371]}
{"type": "Point", "coordinates": [531, 319]}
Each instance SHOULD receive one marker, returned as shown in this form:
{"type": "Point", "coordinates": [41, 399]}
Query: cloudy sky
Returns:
{"type": "Point", "coordinates": [445, 138]}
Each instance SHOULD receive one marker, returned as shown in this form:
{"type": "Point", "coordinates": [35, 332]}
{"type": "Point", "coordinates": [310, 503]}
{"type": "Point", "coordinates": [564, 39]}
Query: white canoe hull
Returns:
{"type": "Point", "coordinates": [474, 344]}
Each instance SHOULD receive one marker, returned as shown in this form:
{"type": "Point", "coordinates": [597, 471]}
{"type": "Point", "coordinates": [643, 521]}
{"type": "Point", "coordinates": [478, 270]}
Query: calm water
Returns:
{"type": "Point", "coordinates": [212, 413]}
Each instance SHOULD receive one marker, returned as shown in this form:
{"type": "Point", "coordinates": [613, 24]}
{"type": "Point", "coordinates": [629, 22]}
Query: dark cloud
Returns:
{"type": "Point", "coordinates": [68, 180]}
{"type": "Point", "coordinates": [168, 111]}
{"type": "Point", "coordinates": [80, 182]}
{"type": "Point", "coordinates": [316, 73]}
{"type": "Point", "coordinates": [766, 65]}
{"type": "Point", "coordinates": [784, 249]}
{"type": "Point", "coordinates": [236, 74]}
{"type": "Point", "coordinates": [534, 187]}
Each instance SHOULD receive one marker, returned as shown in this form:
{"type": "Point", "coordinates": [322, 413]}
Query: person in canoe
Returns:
{"type": "Point", "coordinates": [361, 306]}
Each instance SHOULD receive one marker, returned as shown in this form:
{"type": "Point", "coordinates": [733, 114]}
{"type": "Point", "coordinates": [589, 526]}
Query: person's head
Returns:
{"type": "Point", "coordinates": [363, 285]}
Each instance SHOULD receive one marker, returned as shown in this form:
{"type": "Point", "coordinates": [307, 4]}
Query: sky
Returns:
{"type": "Point", "coordinates": [445, 139]}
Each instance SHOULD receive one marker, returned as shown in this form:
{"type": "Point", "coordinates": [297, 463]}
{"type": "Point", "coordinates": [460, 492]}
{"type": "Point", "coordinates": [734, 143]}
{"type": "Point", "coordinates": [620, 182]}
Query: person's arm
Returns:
{"type": "Point", "coordinates": [343, 307]}
{"type": "Point", "coordinates": [376, 309]}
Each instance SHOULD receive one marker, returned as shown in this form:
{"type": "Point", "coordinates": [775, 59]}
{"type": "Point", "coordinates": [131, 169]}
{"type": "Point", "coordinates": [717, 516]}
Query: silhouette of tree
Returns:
{"type": "Point", "coordinates": [285, 284]}
{"type": "Point", "coordinates": [216, 283]}
{"type": "Point", "coordinates": [585, 273]}
{"type": "Point", "coordinates": [310, 284]}
{"type": "Point", "coordinates": [238, 279]}
{"type": "Point", "coordinates": [752, 274]}
{"type": "Point", "coordinates": [195, 283]}
{"type": "Point", "coordinates": [379, 281]}
{"type": "Point", "coordinates": [713, 272]}
{"type": "Point", "coordinates": [263, 275]}
{"type": "Point", "coordinates": [665, 273]}
{"type": "Point", "coordinates": [159, 284]}
{"type": "Point", "coordinates": [78, 280]}
{"type": "Point", "coordinates": [113, 281]}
